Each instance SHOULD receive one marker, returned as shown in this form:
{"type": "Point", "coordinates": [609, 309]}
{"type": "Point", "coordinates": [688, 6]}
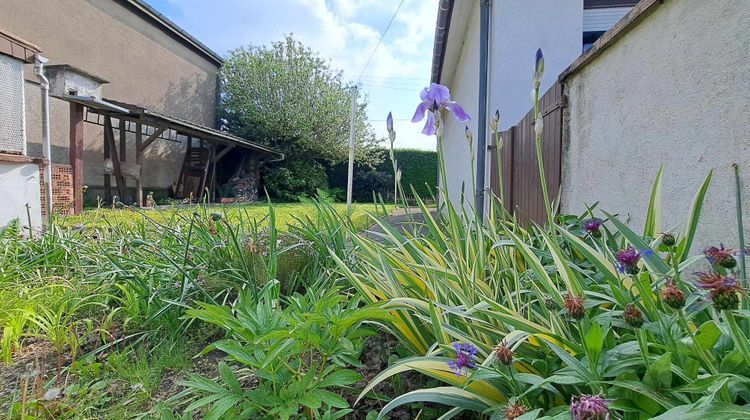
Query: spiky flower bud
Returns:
{"type": "Point", "coordinates": [632, 316]}
{"type": "Point", "coordinates": [721, 257]}
{"type": "Point", "coordinates": [216, 216]}
{"type": "Point", "coordinates": [513, 411]}
{"type": "Point", "coordinates": [723, 290]}
{"type": "Point", "coordinates": [672, 296]}
{"type": "Point", "coordinates": [589, 407]}
{"type": "Point", "coordinates": [593, 227]}
{"type": "Point", "coordinates": [574, 305]}
{"type": "Point", "coordinates": [504, 354]}
{"type": "Point", "coordinates": [667, 239]}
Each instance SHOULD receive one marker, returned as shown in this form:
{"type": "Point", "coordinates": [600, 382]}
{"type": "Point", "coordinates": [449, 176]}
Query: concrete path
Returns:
{"type": "Point", "coordinates": [402, 221]}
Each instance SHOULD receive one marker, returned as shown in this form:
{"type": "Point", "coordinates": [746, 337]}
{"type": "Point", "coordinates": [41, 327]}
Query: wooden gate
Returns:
{"type": "Point", "coordinates": [522, 191]}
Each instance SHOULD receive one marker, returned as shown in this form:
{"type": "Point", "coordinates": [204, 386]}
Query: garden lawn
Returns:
{"type": "Point", "coordinates": [286, 214]}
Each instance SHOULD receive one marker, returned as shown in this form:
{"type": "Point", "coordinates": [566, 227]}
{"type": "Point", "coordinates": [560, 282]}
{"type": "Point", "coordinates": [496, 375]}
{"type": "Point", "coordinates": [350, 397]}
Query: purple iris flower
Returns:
{"type": "Point", "coordinates": [434, 99]}
{"type": "Point", "coordinates": [465, 358]}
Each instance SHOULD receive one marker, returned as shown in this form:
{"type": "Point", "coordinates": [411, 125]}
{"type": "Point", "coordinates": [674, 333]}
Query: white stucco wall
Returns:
{"type": "Point", "coordinates": [517, 30]}
{"type": "Point", "coordinates": [19, 183]}
{"type": "Point", "coordinates": [675, 91]}
{"type": "Point", "coordinates": [464, 85]}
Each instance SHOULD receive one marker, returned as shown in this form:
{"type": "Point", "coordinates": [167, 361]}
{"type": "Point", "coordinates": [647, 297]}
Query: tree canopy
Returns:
{"type": "Point", "coordinates": [286, 96]}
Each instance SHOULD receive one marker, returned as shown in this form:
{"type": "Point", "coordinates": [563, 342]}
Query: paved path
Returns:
{"type": "Point", "coordinates": [402, 221]}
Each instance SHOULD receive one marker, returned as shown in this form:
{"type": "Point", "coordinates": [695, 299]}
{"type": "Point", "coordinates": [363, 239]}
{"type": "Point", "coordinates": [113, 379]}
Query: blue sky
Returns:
{"type": "Point", "coordinates": [344, 31]}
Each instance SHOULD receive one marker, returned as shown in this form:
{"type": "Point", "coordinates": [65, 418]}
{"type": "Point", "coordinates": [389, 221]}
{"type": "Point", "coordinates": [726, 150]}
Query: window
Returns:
{"type": "Point", "coordinates": [12, 109]}
{"type": "Point", "coordinates": [589, 38]}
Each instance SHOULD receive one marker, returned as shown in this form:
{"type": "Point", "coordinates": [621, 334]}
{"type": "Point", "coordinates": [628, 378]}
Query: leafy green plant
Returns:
{"type": "Point", "coordinates": [296, 356]}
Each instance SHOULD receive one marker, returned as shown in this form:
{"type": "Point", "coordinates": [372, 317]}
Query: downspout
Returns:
{"type": "Point", "coordinates": [484, 24]}
{"type": "Point", "coordinates": [39, 63]}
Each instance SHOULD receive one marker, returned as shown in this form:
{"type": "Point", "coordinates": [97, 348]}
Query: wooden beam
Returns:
{"type": "Point", "coordinates": [188, 147]}
{"type": "Point", "coordinates": [151, 138]}
{"type": "Point", "coordinates": [107, 155]}
{"type": "Point", "coordinates": [76, 154]}
{"type": "Point", "coordinates": [123, 155]}
{"type": "Point", "coordinates": [139, 162]}
{"type": "Point", "coordinates": [211, 153]}
{"type": "Point", "coordinates": [223, 153]}
{"type": "Point", "coordinates": [109, 135]}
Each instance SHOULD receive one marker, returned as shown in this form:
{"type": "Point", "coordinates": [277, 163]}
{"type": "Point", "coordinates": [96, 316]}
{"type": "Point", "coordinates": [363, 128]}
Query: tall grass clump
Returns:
{"type": "Point", "coordinates": [582, 317]}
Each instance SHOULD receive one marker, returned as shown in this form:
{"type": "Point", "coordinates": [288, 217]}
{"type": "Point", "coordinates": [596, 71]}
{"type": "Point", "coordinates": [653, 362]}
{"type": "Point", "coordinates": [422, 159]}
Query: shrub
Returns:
{"type": "Point", "coordinates": [290, 180]}
{"type": "Point", "coordinates": [369, 182]}
{"type": "Point", "coordinates": [419, 169]}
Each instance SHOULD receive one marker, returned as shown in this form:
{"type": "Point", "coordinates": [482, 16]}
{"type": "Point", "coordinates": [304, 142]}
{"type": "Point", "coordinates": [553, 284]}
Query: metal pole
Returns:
{"type": "Point", "coordinates": [484, 25]}
{"type": "Point", "coordinates": [46, 142]}
{"type": "Point", "coordinates": [350, 177]}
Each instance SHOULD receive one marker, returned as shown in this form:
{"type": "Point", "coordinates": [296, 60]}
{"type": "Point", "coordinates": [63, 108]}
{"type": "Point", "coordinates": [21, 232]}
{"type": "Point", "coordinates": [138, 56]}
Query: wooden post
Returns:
{"type": "Point", "coordinates": [109, 135]}
{"type": "Point", "coordinates": [139, 162]}
{"type": "Point", "coordinates": [76, 154]}
{"type": "Point", "coordinates": [107, 155]}
{"type": "Point", "coordinates": [123, 156]}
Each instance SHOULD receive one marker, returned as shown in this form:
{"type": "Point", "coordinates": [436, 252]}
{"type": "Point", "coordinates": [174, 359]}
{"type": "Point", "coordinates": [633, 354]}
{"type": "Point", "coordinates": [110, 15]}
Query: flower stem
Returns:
{"type": "Point", "coordinates": [499, 158]}
{"type": "Point", "coordinates": [540, 162]}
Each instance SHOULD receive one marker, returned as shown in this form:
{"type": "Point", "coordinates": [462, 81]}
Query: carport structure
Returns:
{"type": "Point", "coordinates": [205, 147]}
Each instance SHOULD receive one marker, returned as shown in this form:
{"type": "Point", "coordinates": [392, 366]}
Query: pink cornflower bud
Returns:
{"type": "Point", "coordinates": [589, 407]}
{"type": "Point", "coordinates": [673, 296]}
{"type": "Point", "coordinates": [575, 307]}
{"type": "Point", "coordinates": [504, 354]}
{"type": "Point", "coordinates": [721, 257]}
{"type": "Point", "coordinates": [513, 411]}
{"type": "Point", "coordinates": [632, 316]}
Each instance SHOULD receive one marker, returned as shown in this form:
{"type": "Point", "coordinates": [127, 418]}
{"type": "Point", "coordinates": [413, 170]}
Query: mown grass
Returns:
{"type": "Point", "coordinates": [286, 214]}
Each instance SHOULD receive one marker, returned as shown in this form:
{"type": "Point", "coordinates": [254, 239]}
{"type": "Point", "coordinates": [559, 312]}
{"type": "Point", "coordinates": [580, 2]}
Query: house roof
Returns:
{"type": "Point", "coordinates": [191, 128]}
{"type": "Point", "coordinates": [143, 8]}
{"type": "Point", "coordinates": [145, 116]}
{"type": "Point", "coordinates": [17, 47]}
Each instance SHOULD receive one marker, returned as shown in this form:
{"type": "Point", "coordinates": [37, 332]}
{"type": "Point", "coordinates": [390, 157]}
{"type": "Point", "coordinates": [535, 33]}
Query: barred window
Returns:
{"type": "Point", "coordinates": [12, 106]}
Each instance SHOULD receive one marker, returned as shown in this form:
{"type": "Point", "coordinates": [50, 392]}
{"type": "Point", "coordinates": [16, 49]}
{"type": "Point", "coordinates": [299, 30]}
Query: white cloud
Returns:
{"type": "Point", "coordinates": [343, 31]}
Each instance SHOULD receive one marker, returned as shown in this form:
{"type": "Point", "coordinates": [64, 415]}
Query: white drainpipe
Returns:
{"type": "Point", "coordinates": [46, 142]}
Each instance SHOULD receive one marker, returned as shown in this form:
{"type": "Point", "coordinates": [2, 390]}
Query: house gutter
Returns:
{"type": "Point", "coordinates": [445, 11]}
{"type": "Point", "coordinates": [484, 34]}
{"type": "Point", "coordinates": [39, 62]}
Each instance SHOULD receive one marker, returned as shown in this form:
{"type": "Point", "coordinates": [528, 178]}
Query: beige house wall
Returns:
{"type": "Point", "coordinates": [675, 91]}
{"type": "Point", "coordinates": [144, 63]}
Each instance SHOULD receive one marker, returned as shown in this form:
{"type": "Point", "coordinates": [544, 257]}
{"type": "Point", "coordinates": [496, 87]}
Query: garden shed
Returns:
{"type": "Point", "coordinates": [204, 148]}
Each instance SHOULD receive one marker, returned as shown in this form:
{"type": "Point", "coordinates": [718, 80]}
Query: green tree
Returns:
{"type": "Point", "coordinates": [288, 97]}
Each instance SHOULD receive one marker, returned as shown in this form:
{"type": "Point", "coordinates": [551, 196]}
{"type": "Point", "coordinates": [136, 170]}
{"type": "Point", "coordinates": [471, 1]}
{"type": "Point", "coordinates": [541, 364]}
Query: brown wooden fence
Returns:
{"type": "Point", "coordinates": [522, 189]}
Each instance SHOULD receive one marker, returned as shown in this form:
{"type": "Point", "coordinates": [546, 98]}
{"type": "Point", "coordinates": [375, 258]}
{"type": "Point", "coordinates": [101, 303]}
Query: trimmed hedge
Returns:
{"type": "Point", "coordinates": [418, 168]}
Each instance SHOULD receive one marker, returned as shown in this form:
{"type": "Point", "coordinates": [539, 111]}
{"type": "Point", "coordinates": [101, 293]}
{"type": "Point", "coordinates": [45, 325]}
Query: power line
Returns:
{"type": "Point", "coordinates": [382, 35]}
{"type": "Point", "coordinates": [391, 87]}
{"type": "Point", "coordinates": [416, 79]}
